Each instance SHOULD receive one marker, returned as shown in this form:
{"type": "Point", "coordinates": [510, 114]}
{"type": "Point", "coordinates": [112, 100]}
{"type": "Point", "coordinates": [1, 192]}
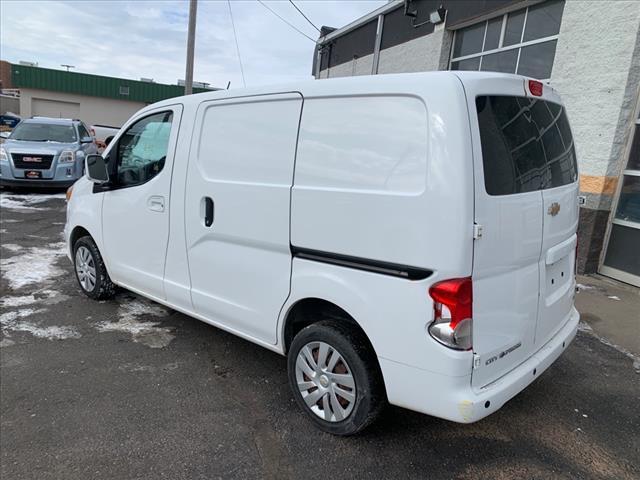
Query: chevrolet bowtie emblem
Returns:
{"type": "Point", "coordinates": [554, 208]}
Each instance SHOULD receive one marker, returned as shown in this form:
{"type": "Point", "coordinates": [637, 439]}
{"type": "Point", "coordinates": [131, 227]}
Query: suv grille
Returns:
{"type": "Point", "coordinates": [29, 161]}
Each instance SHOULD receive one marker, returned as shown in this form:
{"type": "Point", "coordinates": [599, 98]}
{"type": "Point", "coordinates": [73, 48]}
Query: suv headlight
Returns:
{"type": "Point", "coordinates": [3, 155]}
{"type": "Point", "coordinates": [68, 156]}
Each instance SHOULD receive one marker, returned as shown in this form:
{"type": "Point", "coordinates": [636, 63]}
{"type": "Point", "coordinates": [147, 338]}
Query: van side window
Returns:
{"type": "Point", "coordinates": [142, 149]}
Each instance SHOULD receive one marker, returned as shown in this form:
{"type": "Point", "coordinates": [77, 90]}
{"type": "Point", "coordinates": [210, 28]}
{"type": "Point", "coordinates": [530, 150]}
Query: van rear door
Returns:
{"type": "Point", "coordinates": [524, 163]}
{"type": "Point", "coordinates": [560, 223]}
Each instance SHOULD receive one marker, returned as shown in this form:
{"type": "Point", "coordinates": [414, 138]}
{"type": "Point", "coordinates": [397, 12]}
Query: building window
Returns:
{"type": "Point", "coordinates": [522, 42]}
{"type": "Point", "coordinates": [124, 90]}
{"type": "Point", "coordinates": [622, 260]}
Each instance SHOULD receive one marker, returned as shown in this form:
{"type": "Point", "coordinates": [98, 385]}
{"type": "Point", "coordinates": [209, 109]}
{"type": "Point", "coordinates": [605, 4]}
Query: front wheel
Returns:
{"type": "Point", "coordinates": [91, 271]}
{"type": "Point", "coordinates": [335, 377]}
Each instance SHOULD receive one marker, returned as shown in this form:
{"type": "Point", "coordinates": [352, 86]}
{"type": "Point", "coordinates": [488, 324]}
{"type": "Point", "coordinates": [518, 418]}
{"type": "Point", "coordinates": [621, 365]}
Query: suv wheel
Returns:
{"type": "Point", "coordinates": [335, 377]}
{"type": "Point", "coordinates": [90, 270]}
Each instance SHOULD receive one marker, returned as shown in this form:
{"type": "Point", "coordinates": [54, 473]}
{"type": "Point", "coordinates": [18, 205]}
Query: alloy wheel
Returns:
{"type": "Point", "coordinates": [85, 268]}
{"type": "Point", "coordinates": [325, 381]}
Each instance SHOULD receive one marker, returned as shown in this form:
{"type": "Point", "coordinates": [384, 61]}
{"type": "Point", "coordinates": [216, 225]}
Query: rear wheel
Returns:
{"type": "Point", "coordinates": [90, 269]}
{"type": "Point", "coordinates": [335, 377]}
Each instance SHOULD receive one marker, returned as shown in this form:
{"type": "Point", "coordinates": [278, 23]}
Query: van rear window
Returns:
{"type": "Point", "coordinates": [526, 145]}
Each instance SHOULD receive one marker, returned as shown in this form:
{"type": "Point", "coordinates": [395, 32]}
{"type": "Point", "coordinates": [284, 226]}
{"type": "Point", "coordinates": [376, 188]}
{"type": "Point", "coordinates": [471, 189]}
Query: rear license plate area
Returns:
{"type": "Point", "coordinates": [559, 274]}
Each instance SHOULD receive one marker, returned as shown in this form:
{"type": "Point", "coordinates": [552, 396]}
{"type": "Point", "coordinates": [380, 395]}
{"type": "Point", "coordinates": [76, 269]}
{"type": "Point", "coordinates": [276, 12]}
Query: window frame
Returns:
{"type": "Point", "coordinates": [501, 47]}
{"type": "Point", "coordinates": [114, 153]}
{"type": "Point", "coordinates": [78, 127]}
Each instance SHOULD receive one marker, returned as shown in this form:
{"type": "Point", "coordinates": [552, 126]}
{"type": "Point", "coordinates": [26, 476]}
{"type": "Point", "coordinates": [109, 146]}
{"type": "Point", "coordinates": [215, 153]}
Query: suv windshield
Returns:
{"type": "Point", "coordinates": [526, 145]}
{"type": "Point", "coordinates": [44, 132]}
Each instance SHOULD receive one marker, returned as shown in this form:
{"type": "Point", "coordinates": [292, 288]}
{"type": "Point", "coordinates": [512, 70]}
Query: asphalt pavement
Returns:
{"type": "Point", "coordinates": [126, 389]}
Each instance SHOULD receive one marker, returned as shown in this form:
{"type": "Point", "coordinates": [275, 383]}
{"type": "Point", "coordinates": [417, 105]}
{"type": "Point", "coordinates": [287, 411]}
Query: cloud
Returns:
{"type": "Point", "coordinates": [148, 38]}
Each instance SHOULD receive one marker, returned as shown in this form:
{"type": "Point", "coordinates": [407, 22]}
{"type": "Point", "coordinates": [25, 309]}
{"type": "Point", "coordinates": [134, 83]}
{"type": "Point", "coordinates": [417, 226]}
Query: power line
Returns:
{"type": "Point", "coordinates": [305, 17]}
{"type": "Point", "coordinates": [235, 36]}
{"type": "Point", "coordinates": [299, 31]}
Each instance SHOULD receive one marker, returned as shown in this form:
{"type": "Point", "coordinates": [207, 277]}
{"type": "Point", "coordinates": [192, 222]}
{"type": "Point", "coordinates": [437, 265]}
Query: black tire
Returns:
{"type": "Point", "coordinates": [351, 344]}
{"type": "Point", "coordinates": [104, 288]}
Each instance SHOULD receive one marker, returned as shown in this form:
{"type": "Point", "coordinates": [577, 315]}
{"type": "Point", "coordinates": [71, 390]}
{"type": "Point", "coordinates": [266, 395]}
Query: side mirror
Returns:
{"type": "Point", "coordinates": [96, 169]}
{"type": "Point", "coordinates": [5, 134]}
{"type": "Point", "coordinates": [86, 140]}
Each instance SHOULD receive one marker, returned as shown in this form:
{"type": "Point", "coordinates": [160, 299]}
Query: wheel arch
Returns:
{"type": "Point", "coordinates": [80, 231]}
{"type": "Point", "coordinates": [313, 309]}
{"type": "Point", "coordinates": [77, 233]}
{"type": "Point", "coordinates": [309, 310]}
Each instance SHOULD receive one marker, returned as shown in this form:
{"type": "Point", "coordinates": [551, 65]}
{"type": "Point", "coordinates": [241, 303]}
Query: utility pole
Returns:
{"type": "Point", "coordinates": [68, 66]}
{"type": "Point", "coordinates": [191, 42]}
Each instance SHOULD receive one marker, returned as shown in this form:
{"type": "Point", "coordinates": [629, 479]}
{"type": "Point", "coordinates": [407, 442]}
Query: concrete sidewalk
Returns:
{"type": "Point", "coordinates": [611, 311]}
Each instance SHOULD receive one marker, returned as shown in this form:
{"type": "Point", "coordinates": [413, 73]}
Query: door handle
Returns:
{"type": "Point", "coordinates": [208, 211]}
{"type": "Point", "coordinates": [155, 203]}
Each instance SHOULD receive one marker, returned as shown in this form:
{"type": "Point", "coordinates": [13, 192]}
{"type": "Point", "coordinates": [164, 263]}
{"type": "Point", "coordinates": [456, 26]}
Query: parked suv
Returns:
{"type": "Point", "coordinates": [403, 238]}
{"type": "Point", "coordinates": [45, 152]}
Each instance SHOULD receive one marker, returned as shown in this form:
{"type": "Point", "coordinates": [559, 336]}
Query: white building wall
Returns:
{"type": "Point", "coordinates": [92, 110]}
{"type": "Point", "coordinates": [596, 70]}
{"type": "Point", "coordinates": [358, 66]}
{"type": "Point", "coordinates": [423, 54]}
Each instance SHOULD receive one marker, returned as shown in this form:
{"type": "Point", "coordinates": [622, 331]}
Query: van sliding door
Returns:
{"type": "Point", "coordinates": [237, 210]}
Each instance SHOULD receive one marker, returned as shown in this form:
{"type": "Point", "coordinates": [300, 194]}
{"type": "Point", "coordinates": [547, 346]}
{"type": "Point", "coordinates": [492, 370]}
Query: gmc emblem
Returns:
{"type": "Point", "coordinates": [32, 159]}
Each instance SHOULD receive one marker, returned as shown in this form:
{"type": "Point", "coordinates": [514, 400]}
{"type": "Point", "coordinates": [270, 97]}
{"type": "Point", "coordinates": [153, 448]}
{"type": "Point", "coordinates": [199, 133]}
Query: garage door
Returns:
{"type": "Point", "coordinates": [54, 108]}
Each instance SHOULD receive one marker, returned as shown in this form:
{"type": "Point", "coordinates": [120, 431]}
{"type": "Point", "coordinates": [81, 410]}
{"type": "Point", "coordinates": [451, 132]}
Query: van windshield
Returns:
{"type": "Point", "coordinates": [526, 145]}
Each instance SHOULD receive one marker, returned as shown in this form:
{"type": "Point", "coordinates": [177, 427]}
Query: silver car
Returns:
{"type": "Point", "coordinates": [45, 152]}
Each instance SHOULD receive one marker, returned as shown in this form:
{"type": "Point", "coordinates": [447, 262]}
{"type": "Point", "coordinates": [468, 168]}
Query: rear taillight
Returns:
{"type": "Point", "coordinates": [535, 88]}
{"type": "Point", "coordinates": [453, 313]}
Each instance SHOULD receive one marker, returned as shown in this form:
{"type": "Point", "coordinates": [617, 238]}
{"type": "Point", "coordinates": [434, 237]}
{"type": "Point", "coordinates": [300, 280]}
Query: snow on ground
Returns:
{"type": "Point", "coordinates": [12, 247]}
{"type": "Point", "coordinates": [12, 322]}
{"type": "Point", "coordinates": [27, 202]}
{"type": "Point", "coordinates": [44, 297]}
{"type": "Point", "coordinates": [585, 327]}
{"type": "Point", "coordinates": [33, 265]}
{"type": "Point", "coordinates": [147, 333]}
{"type": "Point", "coordinates": [50, 333]}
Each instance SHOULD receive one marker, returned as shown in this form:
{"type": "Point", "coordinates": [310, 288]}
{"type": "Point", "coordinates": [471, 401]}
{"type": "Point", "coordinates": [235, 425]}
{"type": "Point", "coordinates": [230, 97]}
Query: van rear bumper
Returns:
{"type": "Point", "coordinates": [454, 399]}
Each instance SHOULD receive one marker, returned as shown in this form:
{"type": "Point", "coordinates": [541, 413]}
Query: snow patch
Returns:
{"type": "Point", "coordinates": [50, 333]}
{"type": "Point", "coordinates": [12, 247]}
{"type": "Point", "coordinates": [9, 318]}
{"type": "Point", "coordinates": [584, 327]}
{"type": "Point", "coordinates": [147, 333]}
{"type": "Point", "coordinates": [33, 265]}
{"type": "Point", "coordinates": [582, 287]}
{"type": "Point", "coordinates": [46, 297]}
{"type": "Point", "coordinates": [27, 202]}
{"type": "Point", "coordinates": [613, 297]}
{"type": "Point", "coordinates": [10, 321]}
{"type": "Point", "coordinates": [20, 301]}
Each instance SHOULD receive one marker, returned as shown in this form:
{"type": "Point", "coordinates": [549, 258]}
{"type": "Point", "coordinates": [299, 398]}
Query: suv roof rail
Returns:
{"type": "Point", "coordinates": [54, 118]}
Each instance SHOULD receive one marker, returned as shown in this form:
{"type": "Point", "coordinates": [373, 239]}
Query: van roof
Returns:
{"type": "Point", "coordinates": [400, 83]}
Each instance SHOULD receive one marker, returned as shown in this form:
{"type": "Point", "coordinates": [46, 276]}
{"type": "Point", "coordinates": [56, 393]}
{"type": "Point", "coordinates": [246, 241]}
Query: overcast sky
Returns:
{"type": "Point", "coordinates": [146, 38]}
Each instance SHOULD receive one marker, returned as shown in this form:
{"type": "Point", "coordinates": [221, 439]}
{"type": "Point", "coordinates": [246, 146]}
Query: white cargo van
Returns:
{"type": "Point", "coordinates": [403, 238]}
